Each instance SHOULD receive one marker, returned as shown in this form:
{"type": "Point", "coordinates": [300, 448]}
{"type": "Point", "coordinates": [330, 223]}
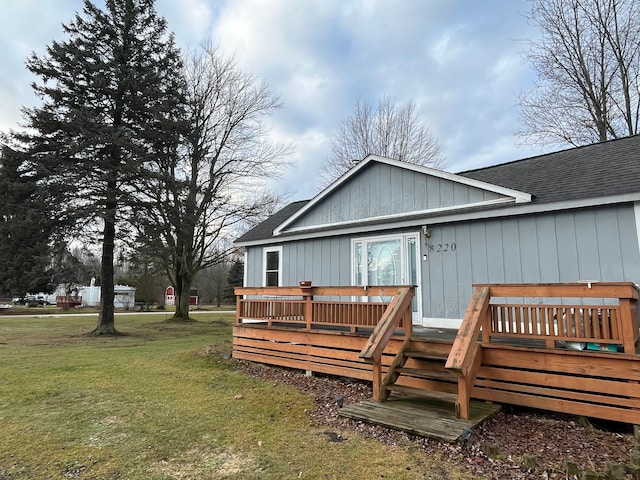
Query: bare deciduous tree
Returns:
{"type": "Point", "coordinates": [588, 65]}
{"type": "Point", "coordinates": [388, 130]}
{"type": "Point", "coordinates": [214, 181]}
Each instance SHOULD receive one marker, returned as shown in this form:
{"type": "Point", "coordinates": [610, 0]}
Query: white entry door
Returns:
{"type": "Point", "coordinates": [388, 260]}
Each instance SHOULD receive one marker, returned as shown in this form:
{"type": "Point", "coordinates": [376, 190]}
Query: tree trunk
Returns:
{"type": "Point", "coordinates": [106, 319]}
{"type": "Point", "coordinates": [183, 289]}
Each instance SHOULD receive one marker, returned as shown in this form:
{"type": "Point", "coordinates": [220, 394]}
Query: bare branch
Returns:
{"type": "Point", "coordinates": [588, 66]}
{"type": "Point", "coordinates": [212, 184]}
{"type": "Point", "coordinates": [390, 131]}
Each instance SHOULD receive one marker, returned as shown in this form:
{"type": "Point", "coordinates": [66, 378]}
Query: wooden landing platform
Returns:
{"type": "Point", "coordinates": [420, 416]}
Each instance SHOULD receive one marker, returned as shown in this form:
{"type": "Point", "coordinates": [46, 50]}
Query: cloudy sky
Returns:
{"type": "Point", "coordinates": [460, 61]}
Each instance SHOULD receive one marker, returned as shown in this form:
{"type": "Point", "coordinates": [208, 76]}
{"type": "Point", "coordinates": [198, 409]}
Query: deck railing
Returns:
{"type": "Point", "coordinates": [568, 323]}
{"type": "Point", "coordinates": [579, 315]}
{"type": "Point", "coordinates": [308, 307]}
{"type": "Point", "coordinates": [606, 314]}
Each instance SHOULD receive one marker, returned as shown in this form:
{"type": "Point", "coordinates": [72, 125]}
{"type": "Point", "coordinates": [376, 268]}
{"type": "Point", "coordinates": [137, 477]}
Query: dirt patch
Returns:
{"type": "Point", "coordinates": [104, 435]}
{"type": "Point", "coordinates": [498, 449]}
{"type": "Point", "coordinates": [200, 464]}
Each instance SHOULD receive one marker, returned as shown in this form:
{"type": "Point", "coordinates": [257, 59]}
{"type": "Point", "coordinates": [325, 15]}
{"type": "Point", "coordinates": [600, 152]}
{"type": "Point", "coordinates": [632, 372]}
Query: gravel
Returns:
{"type": "Point", "coordinates": [497, 448]}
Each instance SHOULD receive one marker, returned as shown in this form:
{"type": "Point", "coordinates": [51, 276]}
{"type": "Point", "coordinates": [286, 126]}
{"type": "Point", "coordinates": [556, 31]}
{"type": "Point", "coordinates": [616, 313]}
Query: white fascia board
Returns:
{"type": "Point", "coordinates": [455, 217]}
{"type": "Point", "coordinates": [398, 216]}
{"type": "Point", "coordinates": [438, 323]}
{"type": "Point", "coordinates": [540, 208]}
{"type": "Point", "coordinates": [520, 197]}
{"type": "Point", "coordinates": [514, 195]}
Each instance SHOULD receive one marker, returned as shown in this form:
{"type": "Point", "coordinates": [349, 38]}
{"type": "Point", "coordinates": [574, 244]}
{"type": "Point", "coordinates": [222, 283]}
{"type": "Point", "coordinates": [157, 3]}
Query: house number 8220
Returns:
{"type": "Point", "coordinates": [442, 247]}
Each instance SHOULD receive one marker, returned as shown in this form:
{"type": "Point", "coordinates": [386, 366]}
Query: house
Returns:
{"type": "Point", "coordinates": [124, 296]}
{"type": "Point", "coordinates": [89, 296]}
{"type": "Point", "coordinates": [567, 216]}
{"type": "Point", "coordinates": [529, 269]}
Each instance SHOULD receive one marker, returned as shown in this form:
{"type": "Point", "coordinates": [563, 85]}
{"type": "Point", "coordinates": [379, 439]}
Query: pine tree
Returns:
{"type": "Point", "coordinates": [24, 228]}
{"type": "Point", "coordinates": [110, 104]}
{"type": "Point", "coordinates": [235, 278]}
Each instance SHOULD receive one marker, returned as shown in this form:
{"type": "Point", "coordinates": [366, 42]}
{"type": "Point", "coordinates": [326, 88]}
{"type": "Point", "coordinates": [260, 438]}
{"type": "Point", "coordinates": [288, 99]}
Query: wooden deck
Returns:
{"type": "Point", "coordinates": [514, 347]}
{"type": "Point", "coordinates": [420, 416]}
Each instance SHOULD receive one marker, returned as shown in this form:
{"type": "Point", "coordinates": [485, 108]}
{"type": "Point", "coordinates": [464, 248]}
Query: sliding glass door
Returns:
{"type": "Point", "coordinates": [388, 260]}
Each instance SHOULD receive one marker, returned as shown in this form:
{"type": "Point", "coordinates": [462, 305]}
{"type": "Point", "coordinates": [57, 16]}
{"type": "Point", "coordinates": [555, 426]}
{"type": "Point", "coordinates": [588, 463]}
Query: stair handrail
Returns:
{"type": "Point", "coordinates": [384, 330]}
{"type": "Point", "coordinates": [392, 373]}
{"type": "Point", "coordinates": [465, 356]}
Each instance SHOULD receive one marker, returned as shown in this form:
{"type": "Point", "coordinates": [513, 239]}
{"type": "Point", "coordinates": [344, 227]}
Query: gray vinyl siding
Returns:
{"type": "Point", "coordinates": [598, 244]}
{"type": "Point", "coordinates": [591, 244]}
{"type": "Point", "coordinates": [323, 261]}
{"type": "Point", "coordinates": [253, 267]}
{"type": "Point", "coordinates": [385, 190]}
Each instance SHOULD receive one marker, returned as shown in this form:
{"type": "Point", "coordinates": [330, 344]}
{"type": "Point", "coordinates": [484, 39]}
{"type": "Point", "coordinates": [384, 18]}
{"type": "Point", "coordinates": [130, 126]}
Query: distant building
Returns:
{"type": "Point", "coordinates": [125, 296]}
{"type": "Point", "coordinates": [170, 296]}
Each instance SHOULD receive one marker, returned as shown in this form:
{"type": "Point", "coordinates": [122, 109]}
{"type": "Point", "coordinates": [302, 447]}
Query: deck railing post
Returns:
{"type": "Point", "coordinates": [408, 324]}
{"type": "Point", "coordinates": [634, 319]}
{"type": "Point", "coordinates": [485, 324]}
{"type": "Point", "coordinates": [629, 325]}
{"type": "Point", "coordinates": [305, 287]}
{"type": "Point", "coordinates": [376, 380]}
{"type": "Point", "coordinates": [238, 308]}
{"type": "Point", "coordinates": [465, 356]}
{"type": "Point", "coordinates": [408, 317]}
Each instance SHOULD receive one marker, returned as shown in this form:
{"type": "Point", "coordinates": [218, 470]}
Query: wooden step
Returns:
{"type": "Point", "coordinates": [441, 357]}
{"type": "Point", "coordinates": [419, 416]}
{"type": "Point", "coordinates": [427, 374]}
{"type": "Point", "coordinates": [419, 392]}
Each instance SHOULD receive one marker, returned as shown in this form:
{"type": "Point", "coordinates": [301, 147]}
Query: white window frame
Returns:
{"type": "Point", "coordinates": [377, 238]}
{"type": "Point", "coordinates": [265, 251]}
{"type": "Point", "coordinates": [417, 317]}
{"type": "Point", "coordinates": [245, 273]}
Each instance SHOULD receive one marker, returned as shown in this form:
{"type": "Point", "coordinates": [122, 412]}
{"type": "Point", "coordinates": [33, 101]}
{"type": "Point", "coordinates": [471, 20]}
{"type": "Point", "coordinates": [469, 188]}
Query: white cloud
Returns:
{"type": "Point", "coordinates": [302, 176]}
{"type": "Point", "coordinates": [25, 27]}
{"type": "Point", "coordinates": [447, 47]}
{"type": "Point", "coordinates": [189, 18]}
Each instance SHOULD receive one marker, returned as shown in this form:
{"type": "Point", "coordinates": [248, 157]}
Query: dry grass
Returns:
{"type": "Point", "coordinates": [161, 402]}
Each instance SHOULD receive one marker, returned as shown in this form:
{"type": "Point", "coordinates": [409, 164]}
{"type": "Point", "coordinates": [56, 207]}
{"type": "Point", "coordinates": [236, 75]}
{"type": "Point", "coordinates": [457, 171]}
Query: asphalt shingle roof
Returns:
{"type": "Point", "coordinates": [591, 171]}
{"type": "Point", "coordinates": [265, 229]}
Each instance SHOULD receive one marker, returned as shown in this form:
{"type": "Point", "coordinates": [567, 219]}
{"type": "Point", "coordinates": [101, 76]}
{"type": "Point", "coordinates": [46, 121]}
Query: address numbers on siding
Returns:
{"type": "Point", "coordinates": [442, 247]}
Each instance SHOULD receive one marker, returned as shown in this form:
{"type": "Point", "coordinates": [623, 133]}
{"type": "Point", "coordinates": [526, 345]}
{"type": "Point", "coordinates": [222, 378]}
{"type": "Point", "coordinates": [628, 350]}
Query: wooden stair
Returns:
{"type": "Point", "coordinates": [419, 371]}
{"type": "Point", "coordinates": [419, 392]}
{"type": "Point", "coordinates": [420, 396]}
{"type": "Point", "coordinates": [426, 374]}
{"type": "Point", "coordinates": [420, 416]}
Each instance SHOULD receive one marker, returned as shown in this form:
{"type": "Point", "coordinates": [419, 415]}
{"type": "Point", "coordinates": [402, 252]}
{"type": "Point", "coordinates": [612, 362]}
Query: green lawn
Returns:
{"type": "Point", "coordinates": [161, 403]}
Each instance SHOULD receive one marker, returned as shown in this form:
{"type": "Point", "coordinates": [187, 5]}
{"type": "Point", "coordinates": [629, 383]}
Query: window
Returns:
{"type": "Point", "coordinates": [380, 260]}
{"type": "Point", "coordinates": [272, 263]}
{"type": "Point", "coordinates": [388, 260]}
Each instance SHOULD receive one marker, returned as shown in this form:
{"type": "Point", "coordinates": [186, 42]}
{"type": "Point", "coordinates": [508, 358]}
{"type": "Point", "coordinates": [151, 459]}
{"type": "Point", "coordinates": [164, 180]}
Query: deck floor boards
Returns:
{"type": "Point", "coordinates": [419, 416]}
